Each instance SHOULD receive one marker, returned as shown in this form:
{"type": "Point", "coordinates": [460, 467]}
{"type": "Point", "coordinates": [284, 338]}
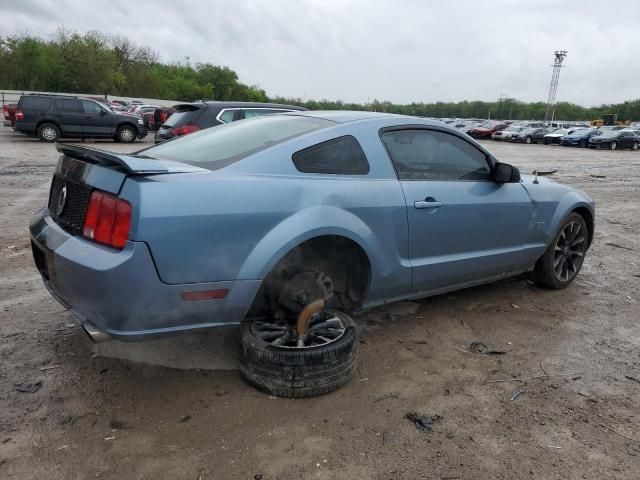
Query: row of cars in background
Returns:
{"type": "Point", "coordinates": [52, 117]}
{"type": "Point", "coordinates": [580, 134]}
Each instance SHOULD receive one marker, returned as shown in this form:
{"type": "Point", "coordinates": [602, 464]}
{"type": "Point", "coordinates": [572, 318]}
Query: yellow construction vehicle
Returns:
{"type": "Point", "coordinates": [609, 120]}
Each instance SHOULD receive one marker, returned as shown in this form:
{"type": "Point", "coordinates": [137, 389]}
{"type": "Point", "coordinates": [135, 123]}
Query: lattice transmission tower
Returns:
{"type": "Point", "coordinates": [559, 56]}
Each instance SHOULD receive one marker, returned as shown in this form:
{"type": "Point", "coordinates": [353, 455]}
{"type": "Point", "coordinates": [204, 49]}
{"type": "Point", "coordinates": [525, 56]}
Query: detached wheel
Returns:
{"type": "Point", "coordinates": [276, 360]}
{"type": "Point", "coordinates": [48, 132]}
{"type": "Point", "coordinates": [126, 134]}
{"type": "Point", "coordinates": [562, 260]}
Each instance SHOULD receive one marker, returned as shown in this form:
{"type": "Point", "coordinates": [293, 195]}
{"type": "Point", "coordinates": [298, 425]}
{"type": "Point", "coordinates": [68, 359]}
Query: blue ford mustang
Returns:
{"type": "Point", "coordinates": [283, 217]}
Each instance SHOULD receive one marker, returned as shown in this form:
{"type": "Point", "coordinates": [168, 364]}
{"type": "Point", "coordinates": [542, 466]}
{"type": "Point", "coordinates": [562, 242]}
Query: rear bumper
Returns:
{"type": "Point", "coordinates": [120, 293]}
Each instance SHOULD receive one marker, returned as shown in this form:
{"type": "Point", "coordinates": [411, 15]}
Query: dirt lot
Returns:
{"type": "Point", "coordinates": [174, 408]}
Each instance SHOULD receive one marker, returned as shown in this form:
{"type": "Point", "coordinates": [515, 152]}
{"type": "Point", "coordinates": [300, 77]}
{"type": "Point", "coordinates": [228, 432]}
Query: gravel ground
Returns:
{"type": "Point", "coordinates": [174, 408]}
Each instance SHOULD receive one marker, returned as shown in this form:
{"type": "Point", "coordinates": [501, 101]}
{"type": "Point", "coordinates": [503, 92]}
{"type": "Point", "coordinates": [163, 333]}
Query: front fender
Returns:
{"type": "Point", "coordinates": [310, 223]}
{"type": "Point", "coordinates": [568, 203]}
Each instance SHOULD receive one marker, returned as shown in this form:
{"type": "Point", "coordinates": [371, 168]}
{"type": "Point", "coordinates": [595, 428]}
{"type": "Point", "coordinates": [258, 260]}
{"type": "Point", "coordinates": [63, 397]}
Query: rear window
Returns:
{"type": "Point", "coordinates": [340, 156]}
{"type": "Point", "coordinates": [184, 116]}
{"type": "Point", "coordinates": [220, 146]}
{"type": "Point", "coordinates": [35, 103]}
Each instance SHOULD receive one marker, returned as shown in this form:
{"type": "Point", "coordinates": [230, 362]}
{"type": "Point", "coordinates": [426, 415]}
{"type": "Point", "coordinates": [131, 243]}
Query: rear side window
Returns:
{"type": "Point", "coordinates": [35, 103]}
{"type": "Point", "coordinates": [69, 105]}
{"type": "Point", "coordinates": [256, 112]}
{"type": "Point", "coordinates": [340, 156]}
{"type": "Point", "coordinates": [227, 116]}
{"type": "Point", "coordinates": [184, 116]}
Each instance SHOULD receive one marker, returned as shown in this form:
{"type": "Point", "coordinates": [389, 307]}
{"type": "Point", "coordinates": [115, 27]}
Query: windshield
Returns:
{"type": "Point", "coordinates": [220, 146]}
{"type": "Point", "coordinates": [609, 133]}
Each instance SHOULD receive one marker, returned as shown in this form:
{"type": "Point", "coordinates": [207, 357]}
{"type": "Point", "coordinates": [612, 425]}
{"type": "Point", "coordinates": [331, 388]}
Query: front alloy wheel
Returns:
{"type": "Point", "coordinates": [563, 259]}
{"type": "Point", "coordinates": [614, 145]}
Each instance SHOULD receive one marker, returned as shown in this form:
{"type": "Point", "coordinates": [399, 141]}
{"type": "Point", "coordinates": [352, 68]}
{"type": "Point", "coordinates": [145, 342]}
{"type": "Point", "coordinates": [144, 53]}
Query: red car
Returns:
{"type": "Point", "coordinates": [9, 111]}
{"type": "Point", "coordinates": [487, 129]}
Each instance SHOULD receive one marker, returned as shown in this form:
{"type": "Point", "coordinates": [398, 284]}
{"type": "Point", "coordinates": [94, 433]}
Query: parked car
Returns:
{"type": "Point", "coordinates": [487, 129]}
{"type": "Point", "coordinates": [283, 224]}
{"type": "Point", "coordinates": [508, 133]}
{"type": "Point", "coordinates": [51, 117]}
{"type": "Point", "coordinates": [191, 117]}
{"type": "Point", "coordinates": [556, 135]}
{"type": "Point", "coordinates": [9, 111]}
{"type": "Point", "coordinates": [616, 139]}
{"type": "Point", "coordinates": [579, 138]}
{"type": "Point", "coordinates": [531, 135]}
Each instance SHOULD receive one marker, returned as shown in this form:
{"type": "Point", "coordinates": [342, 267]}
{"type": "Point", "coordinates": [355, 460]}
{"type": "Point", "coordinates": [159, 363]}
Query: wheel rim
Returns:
{"type": "Point", "coordinates": [569, 251]}
{"type": "Point", "coordinates": [635, 146]}
{"type": "Point", "coordinates": [528, 139]}
{"type": "Point", "coordinates": [324, 328]}
{"type": "Point", "coordinates": [126, 134]}
{"type": "Point", "coordinates": [613, 146]}
{"type": "Point", "coordinates": [49, 133]}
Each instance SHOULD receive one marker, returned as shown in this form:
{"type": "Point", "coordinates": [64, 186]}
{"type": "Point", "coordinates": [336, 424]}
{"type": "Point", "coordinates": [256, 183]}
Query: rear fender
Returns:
{"type": "Point", "coordinates": [311, 223]}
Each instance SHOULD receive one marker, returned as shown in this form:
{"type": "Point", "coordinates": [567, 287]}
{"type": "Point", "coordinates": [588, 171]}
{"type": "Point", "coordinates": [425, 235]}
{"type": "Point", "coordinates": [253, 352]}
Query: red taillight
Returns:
{"type": "Point", "coordinates": [19, 115]}
{"type": "Point", "coordinates": [107, 220]}
{"type": "Point", "coordinates": [184, 130]}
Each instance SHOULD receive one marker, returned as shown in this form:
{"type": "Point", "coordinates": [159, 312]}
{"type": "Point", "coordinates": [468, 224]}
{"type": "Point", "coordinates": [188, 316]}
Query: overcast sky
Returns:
{"type": "Point", "coordinates": [357, 50]}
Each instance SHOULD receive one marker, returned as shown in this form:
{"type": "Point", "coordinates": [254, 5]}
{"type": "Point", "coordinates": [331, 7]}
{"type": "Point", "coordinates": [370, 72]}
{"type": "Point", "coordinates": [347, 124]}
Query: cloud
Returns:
{"type": "Point", "coordinates": [397, 50]}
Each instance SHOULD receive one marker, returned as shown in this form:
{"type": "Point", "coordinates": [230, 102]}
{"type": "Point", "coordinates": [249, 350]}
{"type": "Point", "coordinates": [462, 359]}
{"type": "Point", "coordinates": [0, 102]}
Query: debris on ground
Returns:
{"type": "Point", "coordinates": [598, 176]}
{"type": "Point", "coordinates": [424, 423]}
{"type": "Point", "coordinates": [516, 394]}
{"type": "Point", "coordinates": [386, 438]}
{"type": "Point", "coordinates": [28, 387]}
{"type": "Point", "coordinates": [118, 424]}
{"type": "Point", "coordinates": [479, 347]}
{"type": "Point", "coordinates": [634, 379]}
{"type": "Point", "coordinates": [385, 396]}
{"type": "Point", "coordinates": [615, 245]}
{"type": "Point", "coordinates": [184, 419]}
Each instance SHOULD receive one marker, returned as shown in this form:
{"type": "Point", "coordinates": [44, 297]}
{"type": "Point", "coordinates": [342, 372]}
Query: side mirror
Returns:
{"type": "Point", "coordinates": [102, 113]}
{"type": "Point", "coordinates": [505, 173]}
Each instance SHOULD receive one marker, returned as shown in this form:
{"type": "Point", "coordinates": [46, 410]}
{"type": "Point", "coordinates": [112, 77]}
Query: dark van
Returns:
{"type": "Point", "coordinates": [51, 117]}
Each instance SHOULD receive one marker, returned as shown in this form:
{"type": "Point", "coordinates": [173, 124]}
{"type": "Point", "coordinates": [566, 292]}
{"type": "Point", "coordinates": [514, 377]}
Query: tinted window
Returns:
{"type": "Point", "coordinates": [256, 112]}
{"type": "Point", "coordinates": [340, 156]}
{"type": "Point", "coordinates": [433, 155]}
{"type": "Point", "coordinates": [227, 116]}
{"type": "Point", "coordinates": [217, 147]}
{"type": "Point", "coordinates": [183, 117]}
{"type": "Point", "coordinates": [35, 103]}
{"type": "Point", "coordinates": [91, 107]}
{"type": "Point", "coordinates": [69, 105]}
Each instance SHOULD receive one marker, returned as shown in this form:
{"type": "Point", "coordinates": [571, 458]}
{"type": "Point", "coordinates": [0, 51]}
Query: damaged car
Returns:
{"type": "Point", "coordinates": [287, 224]}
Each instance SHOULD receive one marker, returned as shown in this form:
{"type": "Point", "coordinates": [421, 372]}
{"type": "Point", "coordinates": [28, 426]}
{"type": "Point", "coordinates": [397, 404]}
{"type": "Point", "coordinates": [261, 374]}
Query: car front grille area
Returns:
{"type": "Point", "coordinates": [71, 216]}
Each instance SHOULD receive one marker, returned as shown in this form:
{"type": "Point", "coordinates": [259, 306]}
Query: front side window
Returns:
{"type": "Point", "coordinates": [434, 155]}
{"type": "Point", "coordinates": [340, 156]}
{"type": "Point", "coordinates": [91, 107]}
{"type": "Point", "coordinates": [69, 105]}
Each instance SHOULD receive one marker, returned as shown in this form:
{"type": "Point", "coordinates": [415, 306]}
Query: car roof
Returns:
{"type": "Point", "coordinates": [223, 104]}
{"type": "Point", "coordinates": [344, 116]}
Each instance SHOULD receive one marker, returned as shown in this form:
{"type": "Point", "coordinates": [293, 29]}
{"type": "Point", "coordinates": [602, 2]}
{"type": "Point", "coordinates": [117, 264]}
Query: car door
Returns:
{"type": "Point", "coordinates": [463, 227]}
{"type": "Point", "coordinates": [70, 116]}
{"type": "Point", "coordinates": [97, 120]}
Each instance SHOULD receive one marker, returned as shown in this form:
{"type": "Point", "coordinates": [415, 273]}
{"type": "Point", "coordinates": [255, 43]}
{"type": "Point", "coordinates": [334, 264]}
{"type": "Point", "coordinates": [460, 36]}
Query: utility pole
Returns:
{"type": "Point", "coordinates": [559, 56]}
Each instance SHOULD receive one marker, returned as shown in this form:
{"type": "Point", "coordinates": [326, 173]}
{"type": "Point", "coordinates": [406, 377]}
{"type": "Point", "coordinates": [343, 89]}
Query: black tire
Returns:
{"type": "Point", "coordinates": [126, 134]}
{"type": "Point", "coordinates": [48, 132]}
{"type": "Point", "coordinates": [545, 141]}
{"type": "Point", "coordinates": [544, 273]}
{"type": "Point", "coordinates": [298, 372]}
{"type": "Point", "coordinates": [583, 144]}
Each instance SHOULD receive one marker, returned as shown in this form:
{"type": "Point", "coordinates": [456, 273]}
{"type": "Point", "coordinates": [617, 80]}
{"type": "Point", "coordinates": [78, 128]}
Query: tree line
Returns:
{"type": "Point", "coordinates": [115, 65]}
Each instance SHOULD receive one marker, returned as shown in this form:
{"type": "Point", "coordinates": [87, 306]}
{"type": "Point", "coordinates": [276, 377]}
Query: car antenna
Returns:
{"type": "Point", "coordinates": [535, 180]}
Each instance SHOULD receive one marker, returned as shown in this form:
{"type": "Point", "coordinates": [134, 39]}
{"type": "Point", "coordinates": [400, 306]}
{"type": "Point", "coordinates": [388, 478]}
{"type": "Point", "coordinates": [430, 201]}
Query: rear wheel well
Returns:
{"type": "Point", "coordinates": [588, 219]}
{"type": "Point", "coordinates": [339, 257]}
{"type": "Point", "coordinates": [127, 124]}
{"type": "Point", "coordinates": [42, 122]}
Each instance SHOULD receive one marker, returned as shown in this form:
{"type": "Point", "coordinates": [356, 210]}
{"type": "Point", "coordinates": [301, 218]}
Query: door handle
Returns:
{"type": "Point", "coordinates": [428, 202]}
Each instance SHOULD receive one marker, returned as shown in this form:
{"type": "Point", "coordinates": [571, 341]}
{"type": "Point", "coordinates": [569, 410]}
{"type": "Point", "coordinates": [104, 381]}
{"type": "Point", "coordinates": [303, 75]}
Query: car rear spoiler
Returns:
{"type": "Point", "coordinates": [133, 164]}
